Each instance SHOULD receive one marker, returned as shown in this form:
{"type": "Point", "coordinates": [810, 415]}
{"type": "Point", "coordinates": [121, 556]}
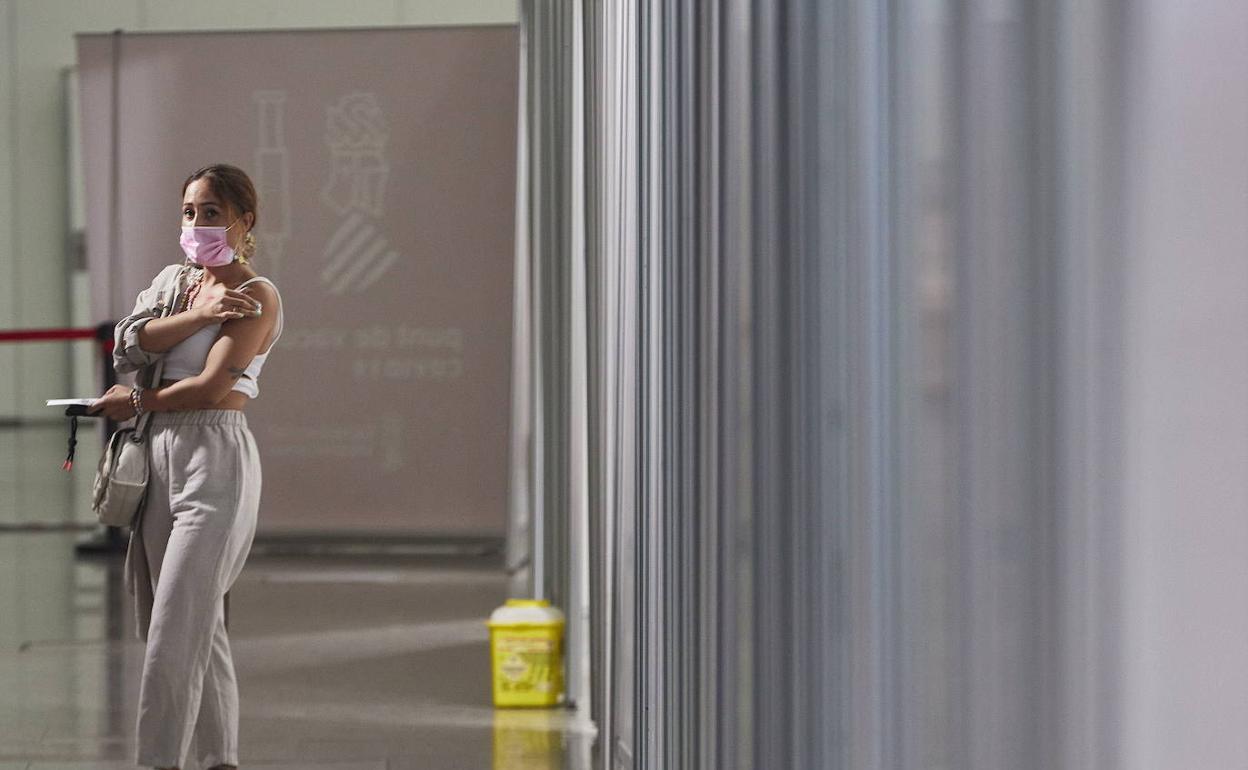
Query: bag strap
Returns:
{"type": "Point", "coordinates": [153, 380]}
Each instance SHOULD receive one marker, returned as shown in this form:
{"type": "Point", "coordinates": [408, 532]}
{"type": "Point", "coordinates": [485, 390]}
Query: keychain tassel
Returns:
{"type": "Point", "coordinates": [68, 465]}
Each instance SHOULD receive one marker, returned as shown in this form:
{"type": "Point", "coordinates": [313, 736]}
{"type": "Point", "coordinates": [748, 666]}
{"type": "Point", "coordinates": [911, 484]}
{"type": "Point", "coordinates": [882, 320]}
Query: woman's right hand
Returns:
{"type": "Point", "coordinates": [115, 404]}
{"type": "Point", "coordinates": [227, 306]}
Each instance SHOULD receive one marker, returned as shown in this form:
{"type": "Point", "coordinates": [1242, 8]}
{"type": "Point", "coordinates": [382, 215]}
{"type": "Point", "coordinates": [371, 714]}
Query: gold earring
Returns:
{"type": "Point", "coordinates": [248, 250]}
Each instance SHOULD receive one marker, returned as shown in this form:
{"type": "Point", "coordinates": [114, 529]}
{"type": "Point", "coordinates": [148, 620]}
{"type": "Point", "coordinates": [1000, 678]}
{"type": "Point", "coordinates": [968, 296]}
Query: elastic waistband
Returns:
{"type": "Point", "coordinates": [200, 417]}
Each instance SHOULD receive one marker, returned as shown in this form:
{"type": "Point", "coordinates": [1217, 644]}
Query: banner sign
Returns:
{"type": "Point", "coordinates": [385, 165]}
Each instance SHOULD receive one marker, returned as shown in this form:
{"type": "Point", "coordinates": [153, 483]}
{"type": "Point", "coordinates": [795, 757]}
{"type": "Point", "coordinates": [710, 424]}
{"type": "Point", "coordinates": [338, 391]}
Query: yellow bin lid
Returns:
{"type": "Point", "coordinates": [526, 612]}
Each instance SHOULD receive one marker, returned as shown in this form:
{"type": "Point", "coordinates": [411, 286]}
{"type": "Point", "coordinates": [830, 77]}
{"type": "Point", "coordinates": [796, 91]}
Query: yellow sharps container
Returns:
{"type": "Point", "coordinates": [526, 650]}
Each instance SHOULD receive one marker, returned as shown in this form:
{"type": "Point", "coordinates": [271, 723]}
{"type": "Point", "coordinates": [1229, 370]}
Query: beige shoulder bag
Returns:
{"type": "Point", "coordinates": [121, 478]}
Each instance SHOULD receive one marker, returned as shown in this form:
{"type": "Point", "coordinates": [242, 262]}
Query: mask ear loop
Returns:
{"type": "Point", "coordinates": [238, 253]}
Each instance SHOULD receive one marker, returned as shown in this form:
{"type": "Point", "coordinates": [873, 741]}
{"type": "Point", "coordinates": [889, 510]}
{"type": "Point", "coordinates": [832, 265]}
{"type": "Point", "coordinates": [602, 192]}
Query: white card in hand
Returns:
{"type": "Point", "coordinates": [71, 401]}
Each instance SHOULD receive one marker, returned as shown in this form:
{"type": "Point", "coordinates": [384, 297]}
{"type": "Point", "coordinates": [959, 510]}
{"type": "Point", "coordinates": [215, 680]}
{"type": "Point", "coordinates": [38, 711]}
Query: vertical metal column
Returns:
{"type": "Point", "coordinates": [550, 474]}
{"type": "Point", "coordinates": [824, 356]}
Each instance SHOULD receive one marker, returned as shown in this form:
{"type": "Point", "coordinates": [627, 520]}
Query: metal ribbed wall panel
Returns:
{"type": "Point", "coordinates": [819, 264]}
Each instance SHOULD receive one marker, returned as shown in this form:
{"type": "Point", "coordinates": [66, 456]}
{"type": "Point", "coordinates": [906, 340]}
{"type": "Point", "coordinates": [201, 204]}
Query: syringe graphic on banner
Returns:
{"type": "Point", "coordinates": [272, 182]}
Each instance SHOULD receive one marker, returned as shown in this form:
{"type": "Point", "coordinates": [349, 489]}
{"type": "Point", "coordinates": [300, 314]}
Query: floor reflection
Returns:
{"type": "Point", "coordinates": [343, 665]}
{"type": "Point", "coordinates": [539, 740]}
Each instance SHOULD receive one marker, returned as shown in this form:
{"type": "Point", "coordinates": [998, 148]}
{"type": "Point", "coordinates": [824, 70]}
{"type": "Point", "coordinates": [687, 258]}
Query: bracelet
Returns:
{"type": "Point", "coordinates": [136, 401]}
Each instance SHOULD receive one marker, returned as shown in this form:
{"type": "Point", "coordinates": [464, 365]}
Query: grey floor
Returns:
{"type": "Point", "coordinates": [343, 664]}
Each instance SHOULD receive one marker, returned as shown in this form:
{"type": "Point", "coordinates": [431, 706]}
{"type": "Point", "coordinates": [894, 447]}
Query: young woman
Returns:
{"type": "Point", "coordinates": [194, 533]}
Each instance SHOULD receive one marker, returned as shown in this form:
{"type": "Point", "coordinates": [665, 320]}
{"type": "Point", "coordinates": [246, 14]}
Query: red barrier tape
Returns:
{"type": "Point", "coordinates": [45, 335]}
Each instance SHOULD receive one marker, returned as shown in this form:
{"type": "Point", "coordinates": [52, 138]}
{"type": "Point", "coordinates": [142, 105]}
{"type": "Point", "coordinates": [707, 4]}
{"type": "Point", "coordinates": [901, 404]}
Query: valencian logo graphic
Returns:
{"type": "Point", "coordinates": [357, 254]}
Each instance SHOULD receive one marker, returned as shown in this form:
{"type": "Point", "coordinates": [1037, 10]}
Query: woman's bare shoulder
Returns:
{"type": "Point", "coordinates": [264, 291]}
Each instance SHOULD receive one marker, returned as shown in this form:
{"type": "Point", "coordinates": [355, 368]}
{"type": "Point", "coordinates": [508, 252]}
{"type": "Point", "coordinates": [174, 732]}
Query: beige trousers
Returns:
{"type": "Point", "coordinates": [197, 529]}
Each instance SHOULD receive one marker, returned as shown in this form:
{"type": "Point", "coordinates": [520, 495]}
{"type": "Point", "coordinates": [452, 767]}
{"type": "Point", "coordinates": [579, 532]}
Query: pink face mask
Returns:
{"type": "Point", "coordinates": [207, 246]}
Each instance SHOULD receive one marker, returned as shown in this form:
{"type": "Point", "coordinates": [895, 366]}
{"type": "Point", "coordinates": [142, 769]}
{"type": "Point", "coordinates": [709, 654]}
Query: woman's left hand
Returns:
{"type": "Point", "coordinates": [115, 404]}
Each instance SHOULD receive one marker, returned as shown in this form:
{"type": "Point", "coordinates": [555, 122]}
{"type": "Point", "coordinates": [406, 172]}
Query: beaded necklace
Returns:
{"type": "Point", "coordinates": [189, 300]}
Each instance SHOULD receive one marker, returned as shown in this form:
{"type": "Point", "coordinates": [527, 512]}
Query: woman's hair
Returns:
{"type": "Point", "coordinates": [231, 184]}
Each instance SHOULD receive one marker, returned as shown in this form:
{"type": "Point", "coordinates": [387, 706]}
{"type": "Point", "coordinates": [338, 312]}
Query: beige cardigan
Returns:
{"type": "Point", "coordinates": [128, 357]}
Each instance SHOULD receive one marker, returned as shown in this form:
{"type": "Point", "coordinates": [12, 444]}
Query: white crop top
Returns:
{"type": "Point", "coordinates": [187, 358]}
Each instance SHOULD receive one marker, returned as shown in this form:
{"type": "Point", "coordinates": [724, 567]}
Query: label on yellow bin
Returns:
{"type": "Point", "coordinates": [526, 646]}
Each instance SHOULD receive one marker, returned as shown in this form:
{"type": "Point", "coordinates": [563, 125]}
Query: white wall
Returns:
{"type": "Point", "coordinates": [36, 45]}
{"type": "Point", "coordinates": [1185, 544]}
